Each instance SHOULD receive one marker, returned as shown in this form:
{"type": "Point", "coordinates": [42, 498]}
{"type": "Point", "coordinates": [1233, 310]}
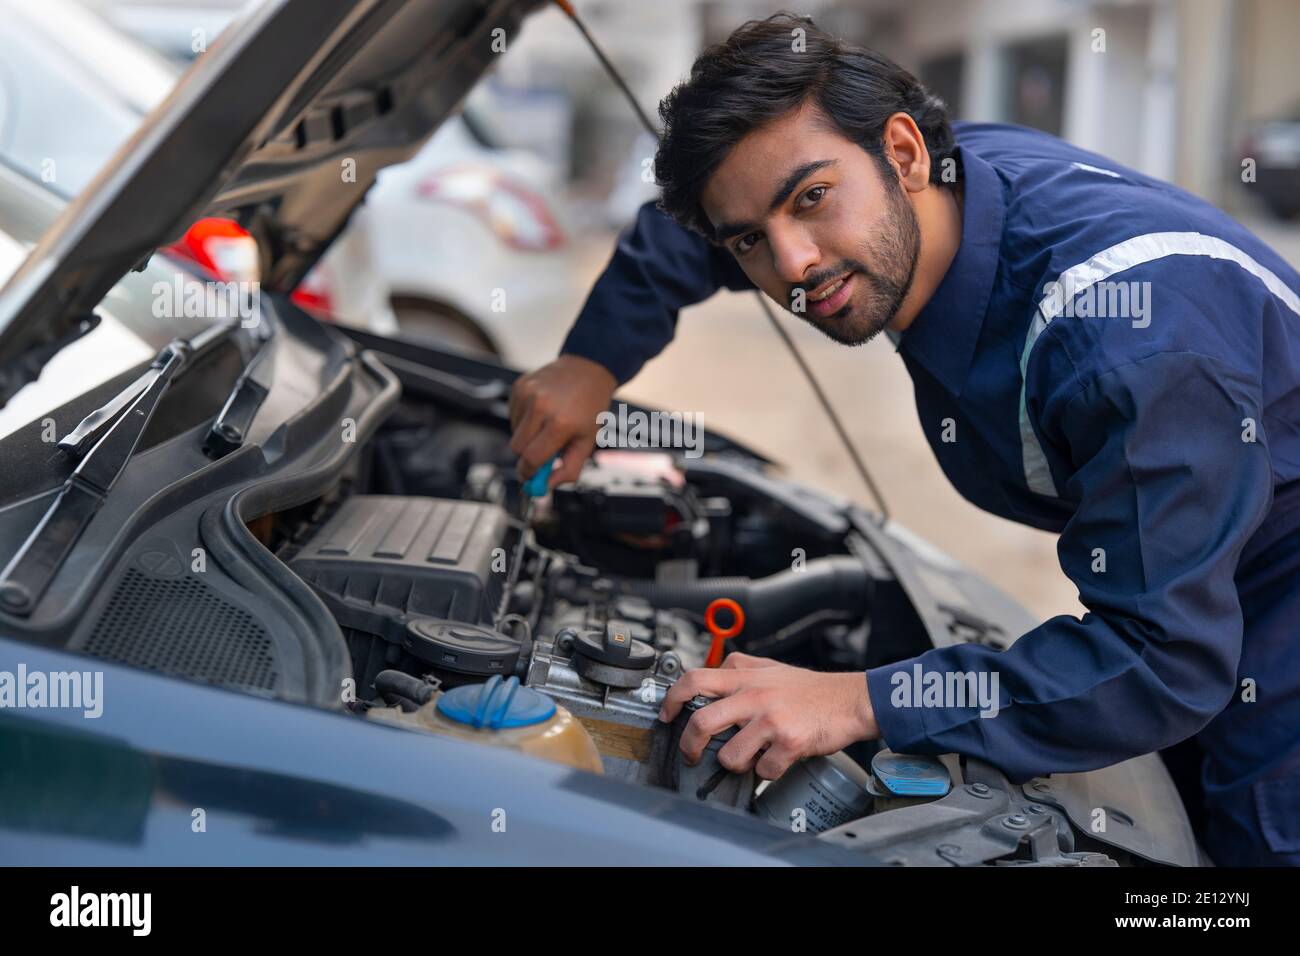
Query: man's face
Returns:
{"type": "Point", "coordinates": [814, 223]}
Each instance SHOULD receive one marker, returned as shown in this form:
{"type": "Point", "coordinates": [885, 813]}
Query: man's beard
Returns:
{"type": "Point", "coordinates": [879, 293]}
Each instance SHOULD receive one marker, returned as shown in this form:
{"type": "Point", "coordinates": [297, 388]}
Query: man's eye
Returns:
{"type": "Point", "coordinates": [812, 197]}
{"type": "Point", "coordinates": [747, 242]}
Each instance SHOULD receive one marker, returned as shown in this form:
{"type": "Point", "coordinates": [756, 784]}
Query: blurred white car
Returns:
{"type": "Point", "coordinates": [471, 245]}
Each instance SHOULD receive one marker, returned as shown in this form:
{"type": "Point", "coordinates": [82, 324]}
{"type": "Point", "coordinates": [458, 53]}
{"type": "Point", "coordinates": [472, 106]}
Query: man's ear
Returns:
{"type": "Point", "coordinates": [905, 148]}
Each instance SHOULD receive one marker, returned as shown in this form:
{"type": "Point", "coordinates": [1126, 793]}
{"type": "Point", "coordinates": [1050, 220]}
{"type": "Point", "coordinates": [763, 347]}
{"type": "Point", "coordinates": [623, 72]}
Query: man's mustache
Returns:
{"type": "Point", "coordinates": [821, 278]}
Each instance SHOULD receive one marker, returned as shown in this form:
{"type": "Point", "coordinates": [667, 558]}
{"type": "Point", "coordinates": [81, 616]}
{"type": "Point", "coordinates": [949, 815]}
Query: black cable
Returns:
{"type": "Point", "coordinates": [614, 74]}
{"type": "Point", "coordinates": [858, 463]}
{"type": "Point", "coordinates": [826, 406]}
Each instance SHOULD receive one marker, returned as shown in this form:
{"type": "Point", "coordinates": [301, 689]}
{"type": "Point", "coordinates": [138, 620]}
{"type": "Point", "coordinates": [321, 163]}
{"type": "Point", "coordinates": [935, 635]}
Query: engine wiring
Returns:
{"type": "Point", "coordinates": [822, 398]}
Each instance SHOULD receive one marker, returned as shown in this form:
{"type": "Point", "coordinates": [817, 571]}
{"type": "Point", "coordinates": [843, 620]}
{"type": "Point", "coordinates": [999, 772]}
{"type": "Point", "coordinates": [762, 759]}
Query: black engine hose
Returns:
{"type": "Point", "coordinates": [403, 690]}
{"type": "Point", "coordinates": [838, 583]}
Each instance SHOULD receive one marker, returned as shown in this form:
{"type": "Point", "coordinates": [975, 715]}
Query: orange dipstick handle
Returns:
{"type": "Point", "coordinates": [720, 635]}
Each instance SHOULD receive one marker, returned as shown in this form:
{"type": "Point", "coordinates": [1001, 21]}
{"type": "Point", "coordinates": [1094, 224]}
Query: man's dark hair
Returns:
{"type": "Point", "coordinates": [757, 75]}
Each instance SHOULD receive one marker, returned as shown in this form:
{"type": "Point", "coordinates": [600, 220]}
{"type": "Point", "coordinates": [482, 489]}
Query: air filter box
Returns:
{"type": "Point", "coordinates": [380, 557]}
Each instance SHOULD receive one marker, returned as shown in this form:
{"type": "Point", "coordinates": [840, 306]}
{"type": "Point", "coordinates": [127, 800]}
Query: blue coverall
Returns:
{"type": "Point", "coordinates": [1158, 434]}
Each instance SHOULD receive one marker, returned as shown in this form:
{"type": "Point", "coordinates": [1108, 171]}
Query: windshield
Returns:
{"type": "Point", "coordinates": [129, 333]}
{"type": "Point", "coordinates": [72, 90]}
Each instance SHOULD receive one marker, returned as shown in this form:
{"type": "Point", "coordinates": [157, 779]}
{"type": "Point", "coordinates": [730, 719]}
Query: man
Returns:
{"type": "Point", "coordinates": [1093, 352]}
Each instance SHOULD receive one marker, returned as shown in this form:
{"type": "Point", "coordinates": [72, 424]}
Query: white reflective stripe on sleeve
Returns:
{"type": "Point", "coordinates": [1097, 169]}
{"type": "Point", "coordinates": [1117, 258]}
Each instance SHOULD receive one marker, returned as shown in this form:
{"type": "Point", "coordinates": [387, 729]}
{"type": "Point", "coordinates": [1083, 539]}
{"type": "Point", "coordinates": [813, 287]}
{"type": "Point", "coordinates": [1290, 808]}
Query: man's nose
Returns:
{"type": "Point", "coordinates": [794, 255]}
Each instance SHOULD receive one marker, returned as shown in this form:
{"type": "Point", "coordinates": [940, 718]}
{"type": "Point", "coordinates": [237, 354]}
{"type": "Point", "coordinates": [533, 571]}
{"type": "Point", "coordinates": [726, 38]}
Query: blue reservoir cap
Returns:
{"type": "Point", "coordinates": [496, 705]}
{"type": "Point", "coordinates": [908, 775]}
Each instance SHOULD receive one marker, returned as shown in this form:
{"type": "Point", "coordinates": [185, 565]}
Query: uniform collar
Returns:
{"type": "Point", "coordinates": [942, 337]}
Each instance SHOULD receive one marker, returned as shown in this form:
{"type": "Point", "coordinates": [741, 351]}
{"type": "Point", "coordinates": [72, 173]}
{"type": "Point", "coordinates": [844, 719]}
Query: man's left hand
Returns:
{"type": "Point", "coordinates": [785, 713]}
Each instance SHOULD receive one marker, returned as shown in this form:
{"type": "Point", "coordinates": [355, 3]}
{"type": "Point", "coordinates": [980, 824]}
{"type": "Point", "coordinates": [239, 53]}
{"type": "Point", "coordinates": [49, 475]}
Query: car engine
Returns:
{"type": "Point", "coordinates": [607, 608]}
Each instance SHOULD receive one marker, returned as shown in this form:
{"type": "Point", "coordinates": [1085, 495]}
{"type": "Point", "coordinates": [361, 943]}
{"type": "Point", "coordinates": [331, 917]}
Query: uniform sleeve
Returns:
{"type": "Point", "coordinates": [1170, 487]}
{"type": "Point", "coordinates": [658, 268]}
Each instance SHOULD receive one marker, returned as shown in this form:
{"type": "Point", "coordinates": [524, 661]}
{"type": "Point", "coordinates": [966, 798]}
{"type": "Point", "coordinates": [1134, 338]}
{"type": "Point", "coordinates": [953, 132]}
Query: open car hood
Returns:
{"type": "Point", "coordinates": [282, 125]}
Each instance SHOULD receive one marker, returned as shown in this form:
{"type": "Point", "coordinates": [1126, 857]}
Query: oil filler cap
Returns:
{"type": "Point", "coordinates": [615, 646]}
{"type": "Point", "coordinates": [496, 705]}
{"type": "Point", "coordinates": [612, 656]}
{"type": "Point", "coordinates": [907, 775]}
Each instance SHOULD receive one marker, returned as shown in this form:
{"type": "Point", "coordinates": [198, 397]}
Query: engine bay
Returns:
{"type": "Point", "coordinates": [569, 655]}
{"type": "Point", "coordinates": [605, 611]}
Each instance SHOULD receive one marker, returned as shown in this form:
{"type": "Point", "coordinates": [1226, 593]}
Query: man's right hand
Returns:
{"type": "Point", "coordinates": [553, 412]}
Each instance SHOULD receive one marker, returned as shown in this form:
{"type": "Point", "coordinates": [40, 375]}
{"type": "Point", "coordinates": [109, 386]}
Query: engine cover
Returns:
{"type": "Point", "coordinates": [387, 555]}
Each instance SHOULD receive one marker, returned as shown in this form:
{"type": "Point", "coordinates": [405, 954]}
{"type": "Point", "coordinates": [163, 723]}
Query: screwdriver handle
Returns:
{"type": "Point", "coordinates": [536, 486]}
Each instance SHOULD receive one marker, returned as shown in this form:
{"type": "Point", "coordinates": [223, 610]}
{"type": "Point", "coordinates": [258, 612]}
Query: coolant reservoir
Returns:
{"type": "Point", "coordinates": [502, 713]}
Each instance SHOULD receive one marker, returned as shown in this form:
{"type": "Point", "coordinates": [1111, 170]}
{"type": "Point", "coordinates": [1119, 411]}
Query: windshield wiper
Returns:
{"type": "Point", "coordinates": [112, 433]}
{"type": "Point", "coordinates": [28, 574]}
{"type": "Point", "coordinates": [250, 390]}
{"type": "Point", "coordinates": [92, 427]}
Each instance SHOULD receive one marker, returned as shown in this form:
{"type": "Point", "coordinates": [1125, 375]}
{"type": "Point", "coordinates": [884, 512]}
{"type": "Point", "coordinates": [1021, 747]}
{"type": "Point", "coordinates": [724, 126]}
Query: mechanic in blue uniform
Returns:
{"type": "Point", "coordinates": [1093, 352]}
